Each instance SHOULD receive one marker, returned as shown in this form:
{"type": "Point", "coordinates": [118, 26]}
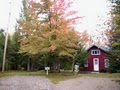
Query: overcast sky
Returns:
{"type": "Point", "coordinates": [95, 13]}
{"type": "Point", "coordinates": [5, 9]}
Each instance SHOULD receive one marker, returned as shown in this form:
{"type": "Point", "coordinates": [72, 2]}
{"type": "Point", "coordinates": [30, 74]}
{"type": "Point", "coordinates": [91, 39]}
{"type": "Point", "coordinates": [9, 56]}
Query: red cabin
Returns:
{"type": "Point", "coordinates": [97, 59]}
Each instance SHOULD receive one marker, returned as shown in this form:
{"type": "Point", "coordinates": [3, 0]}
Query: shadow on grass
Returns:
{"type": "Point", "coordinates": [117, 81]}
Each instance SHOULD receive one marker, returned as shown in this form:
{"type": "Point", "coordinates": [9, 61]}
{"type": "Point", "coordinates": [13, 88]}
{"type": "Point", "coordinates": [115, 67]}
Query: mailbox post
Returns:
{"type": "Point", "coordinates": [47, 69]}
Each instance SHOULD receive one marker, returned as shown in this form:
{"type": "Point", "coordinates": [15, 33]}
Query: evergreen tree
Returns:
{"type": "Point", "coordinates": [115, 37]}
{"type": "Point", "coordinates": [2, 40]}
{"type": "Point", "coordinates": [14, 58]}
{"type": "Point", "coordinates": [81, 55]}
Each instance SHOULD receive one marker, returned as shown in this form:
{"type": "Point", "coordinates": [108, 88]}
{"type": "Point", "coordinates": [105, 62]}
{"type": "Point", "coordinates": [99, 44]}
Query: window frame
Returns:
{"type": "Point", "coordinates": [106, 63]}
{"type": "Point", "coordinates": [95, 52]}
{"type": "Point", "coordinates": [86, 64]}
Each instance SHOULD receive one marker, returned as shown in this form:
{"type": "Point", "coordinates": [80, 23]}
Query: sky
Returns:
{"type": "Point", "coordinates": [5, 9]}
{"type": "Point", "coordinates": [94, 12]}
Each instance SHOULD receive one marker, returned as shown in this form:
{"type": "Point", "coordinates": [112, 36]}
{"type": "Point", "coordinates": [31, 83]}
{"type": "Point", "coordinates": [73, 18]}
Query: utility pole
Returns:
{"type": "Point", "coordinates": [6, 40]}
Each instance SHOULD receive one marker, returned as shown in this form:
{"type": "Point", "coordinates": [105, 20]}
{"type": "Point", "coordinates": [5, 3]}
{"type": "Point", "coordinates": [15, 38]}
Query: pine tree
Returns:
{"type": "Point", "coordinates": [115, 37]}
{"type": "Point", "coordinates": [2, 40]}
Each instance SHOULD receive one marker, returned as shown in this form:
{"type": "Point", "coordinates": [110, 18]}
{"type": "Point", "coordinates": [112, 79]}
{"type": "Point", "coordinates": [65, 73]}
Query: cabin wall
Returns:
{"type": "Point", "coordinates": [91, 57]}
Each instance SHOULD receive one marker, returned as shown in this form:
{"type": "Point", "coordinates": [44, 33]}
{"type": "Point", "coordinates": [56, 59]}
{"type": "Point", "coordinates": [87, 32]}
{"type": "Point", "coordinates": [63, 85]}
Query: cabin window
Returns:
{"type": "Point", "coordinates": [95, 52]}
{"type": "Point", "coordinates": [106, 63]}
{"type": "Point", "coordinates": [96, 61]}
{"type": "Point", "coordinates": [86, 63]}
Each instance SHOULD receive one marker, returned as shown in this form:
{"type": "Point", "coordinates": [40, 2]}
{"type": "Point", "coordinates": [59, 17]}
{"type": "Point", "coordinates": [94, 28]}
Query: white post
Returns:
{"type": "Point", "coordinates": [4, 54]}
{"type": "Point", "coordinates": [47, 72]}
{"type": "Point", "coordinates": [47, 69]}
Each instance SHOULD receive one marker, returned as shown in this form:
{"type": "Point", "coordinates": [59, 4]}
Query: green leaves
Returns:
{"type": "Point", "coordinates": [81, 55]}
{"type": "Point", "coordinates": [51, 32]}
{"type": "Point", "coordinates": [115, 39]}
{"type": "Point", "coordinates": [2, 40]}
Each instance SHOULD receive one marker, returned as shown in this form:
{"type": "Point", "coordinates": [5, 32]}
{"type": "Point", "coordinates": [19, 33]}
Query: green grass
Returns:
{"type": "Point", "coordinates": [53, 77]}
{"type": "Point", "coordinates": [106, 75]}
{"type": "Point", "coordinates": [118, 81]}
{"type": "Point", "coordinates": [26, 73]}
{"type": "Point", "coordinates": [57, 77]}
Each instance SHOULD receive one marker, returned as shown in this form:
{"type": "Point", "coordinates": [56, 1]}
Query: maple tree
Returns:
{"type": "Point", "coordinates": [46, 27]}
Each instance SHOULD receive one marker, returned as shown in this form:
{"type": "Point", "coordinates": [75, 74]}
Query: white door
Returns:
{"type": "Point", "coordinates": [96, 64]}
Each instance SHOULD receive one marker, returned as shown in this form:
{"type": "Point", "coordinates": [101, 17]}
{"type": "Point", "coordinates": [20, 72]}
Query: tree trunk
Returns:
{"type": "Point", "coordinates": [32, 66]}
{"type": "Point", "coordinates": [28, 64]}
{"type": "Point", "coordinates": [73, 66]}
{"type": "Point", "coordinates": [56, 65]}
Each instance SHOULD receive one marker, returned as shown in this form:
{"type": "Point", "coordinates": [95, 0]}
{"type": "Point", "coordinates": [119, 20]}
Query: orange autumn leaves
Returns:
{"type": "Point", "coordinates": [46, 28]}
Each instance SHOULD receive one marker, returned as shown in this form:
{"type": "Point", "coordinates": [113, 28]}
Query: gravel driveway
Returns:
{"type": "Point", "coordinates": [25, 83]}
{"type": "Point", "coordinates": [88, 83]}
{"type": "Point", "coordinates": [42, 83]}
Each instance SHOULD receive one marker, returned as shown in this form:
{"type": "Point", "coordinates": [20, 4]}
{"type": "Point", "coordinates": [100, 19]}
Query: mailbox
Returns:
{"type": "Point", "coordinates": [47, 68]}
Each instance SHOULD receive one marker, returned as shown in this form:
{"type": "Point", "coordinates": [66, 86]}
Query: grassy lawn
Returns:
{"type": "Point", "coordinates": [105, 75]}
{"type": "Point", "coordinates": [54, 77]}
{"type": "Point", "coordinates": [57, 77]}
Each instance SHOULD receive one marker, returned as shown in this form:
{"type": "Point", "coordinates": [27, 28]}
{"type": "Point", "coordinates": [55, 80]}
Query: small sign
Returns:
{"type": "Point", "coordinates": [47, 68]}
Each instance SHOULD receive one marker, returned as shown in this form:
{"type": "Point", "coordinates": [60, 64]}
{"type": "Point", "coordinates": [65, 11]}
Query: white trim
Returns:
{"type": "Point", "coordinates": [86, 63]}
{"type": "Point", "coordinates": [106, 63]}
{"type": "Point", "coordinates": [100, 47]}
{"type": "Point", "coordinates": [95, 52]}
{"type": "Point", "coordinates": [96, 64]}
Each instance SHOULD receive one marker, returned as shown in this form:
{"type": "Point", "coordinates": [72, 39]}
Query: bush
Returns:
{"type": "Point", "coordinates": [112, 70]}
{"type": "Point", "coordinates": [114, 64]}
{"type": "Point", "coordinates": [118, 71]}
{"type": "Point", "coordinates": [103, 70]}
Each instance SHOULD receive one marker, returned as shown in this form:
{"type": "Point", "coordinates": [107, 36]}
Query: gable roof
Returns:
{"type": "Point", "coordinates": [105, 48]}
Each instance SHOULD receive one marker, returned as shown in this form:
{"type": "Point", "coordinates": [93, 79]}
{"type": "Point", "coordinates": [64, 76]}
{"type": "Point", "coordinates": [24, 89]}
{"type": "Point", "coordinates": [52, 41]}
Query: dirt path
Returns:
{"type": "Point", "coordinates": [41, 83]}
{"type": "Point", "coordinates": [25, 83]}
{"type": "Point", "coordinates": [88, 83]}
